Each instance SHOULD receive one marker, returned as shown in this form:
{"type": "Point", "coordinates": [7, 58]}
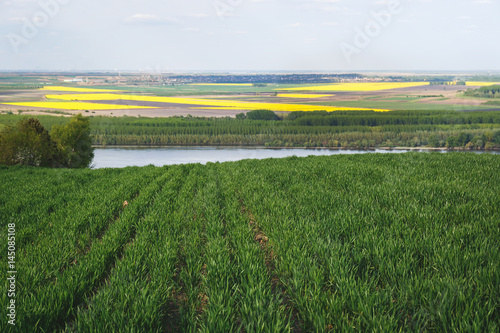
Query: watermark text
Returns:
{"type": "Point", "coordinates": [379, 20]}
{"type": "Point", "coordinates": [11, 273]}
{"type": "Point", "coordinates": [31, 26]}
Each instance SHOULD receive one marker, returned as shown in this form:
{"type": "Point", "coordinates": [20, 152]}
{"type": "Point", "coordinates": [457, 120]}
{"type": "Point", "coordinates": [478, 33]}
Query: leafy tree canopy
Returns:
{"type": "Point", "coordinates": [74, 142]}
{"type": "Point", "coordinates": [262, 115]}
{"type": "Point", "coordinates": [29, 143]}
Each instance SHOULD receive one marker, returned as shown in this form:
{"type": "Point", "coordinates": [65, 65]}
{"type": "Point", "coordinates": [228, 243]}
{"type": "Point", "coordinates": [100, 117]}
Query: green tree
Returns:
{"type": "Point", "coordinates": [463, 139]}
{"type": "Point", "coordinates": [496, 137]}
{"type": "Point", "coordinates": [433, 140]}
{"type": "Point", "coordinates": [28, 143]}
{"type": "Point", "coordinates": [74, 142]}
{"type": "Point", "coordinates": [452, 141]}
{"type": "Point", "coordinates": [262, 115]}
{"type": "Point", "coordinates": [489, 136]}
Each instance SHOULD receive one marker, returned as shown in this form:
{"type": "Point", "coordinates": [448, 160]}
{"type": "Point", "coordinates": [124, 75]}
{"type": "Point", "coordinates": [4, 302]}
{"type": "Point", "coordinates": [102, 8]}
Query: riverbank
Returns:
{"type": "Point", "coordinates": [309, 148]}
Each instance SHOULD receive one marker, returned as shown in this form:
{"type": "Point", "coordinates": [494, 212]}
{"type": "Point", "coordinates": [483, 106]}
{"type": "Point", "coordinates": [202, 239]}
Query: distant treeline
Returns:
{"type": "Point", "coordinates": [19, 86]}
{"type": "Point", "coordinates": [265, 78]}
{"type": "Point", "coordinates": [447, 83]}
{"type": "Point", "coordinates": [349, 129]}
{"type": "Point", "coordinates": [485, 92]}
{"type": "Point", "coordinates": [369, 118]}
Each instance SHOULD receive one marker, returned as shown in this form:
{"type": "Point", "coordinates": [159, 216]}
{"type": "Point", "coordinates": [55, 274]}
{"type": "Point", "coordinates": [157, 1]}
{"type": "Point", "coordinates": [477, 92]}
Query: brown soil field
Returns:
{"type": "Point", "coordinates": [147, 103]}
{"type": "Point", "coordinates": [444, 95]}
{"type": "Point", "coordinates": [165, 112]}
{"type": "Point", "coordinates": [159, 112]}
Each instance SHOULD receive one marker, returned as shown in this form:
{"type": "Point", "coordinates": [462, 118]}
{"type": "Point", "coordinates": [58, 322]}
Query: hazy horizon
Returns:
{"type": "Point", "coordinates": [247, 36]}
{"type": "Point", "coordinates": [368, 73]}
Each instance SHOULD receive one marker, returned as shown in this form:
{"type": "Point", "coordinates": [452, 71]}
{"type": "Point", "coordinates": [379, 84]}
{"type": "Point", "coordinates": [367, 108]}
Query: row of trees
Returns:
{"type": "Point", "coordinates": [370, 118]}
{"type": "Point", "coordinates": [29, 143]}
{"type": "Point", "coordinates": [447, 83]}
{"type": "Point", "coordinates": [481, 139]}
{"type": "Point", "coordinates": [19, 86]}
{"type": "Point", "coordinates": [485, 92]}
{"type": "Point", "coordinates": [468, 140]}
{"type": "Point", "coordinates": [263, 122]}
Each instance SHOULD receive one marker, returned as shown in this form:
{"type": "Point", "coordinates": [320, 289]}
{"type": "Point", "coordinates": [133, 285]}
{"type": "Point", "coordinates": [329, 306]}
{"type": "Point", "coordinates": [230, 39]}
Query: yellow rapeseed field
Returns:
{"type": "Point", "coordinates": [78, 106]}
{"type": "Point", "coordinates": [75, 89]}
{"type": "Point", "coordinates": [207, 103]}
{"type": "Point", "coordinates": [360, 86]}
{"type": "Point", "coordinates": [304, 95]}
{"type": "Point", "coordinates": [480, 84]}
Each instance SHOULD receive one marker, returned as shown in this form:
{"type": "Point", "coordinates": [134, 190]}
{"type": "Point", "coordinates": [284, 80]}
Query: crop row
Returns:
{"type": "Point", "coordinates": [77, 246]}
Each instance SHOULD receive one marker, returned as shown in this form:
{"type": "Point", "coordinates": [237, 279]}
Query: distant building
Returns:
{"type": "Point", "coordinates": [74, 80]}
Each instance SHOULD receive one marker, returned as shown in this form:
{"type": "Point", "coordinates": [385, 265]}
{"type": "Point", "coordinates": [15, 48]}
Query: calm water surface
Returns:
{"type": "Point", "coordinates": [123, 157]}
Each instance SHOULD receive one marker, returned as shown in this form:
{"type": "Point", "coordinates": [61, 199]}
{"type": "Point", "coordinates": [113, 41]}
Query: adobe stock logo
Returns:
{"type": "Point", "coordinates": [373, 28]}
{"type": "Point", "coordinates": [225, 8]}
{"type": "Point", "coordinates": [31, 27]}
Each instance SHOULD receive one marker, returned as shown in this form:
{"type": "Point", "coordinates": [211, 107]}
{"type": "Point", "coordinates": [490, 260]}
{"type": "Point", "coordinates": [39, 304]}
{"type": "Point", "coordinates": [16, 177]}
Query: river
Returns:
{"type": "Point", "coordinates": [119, 157]}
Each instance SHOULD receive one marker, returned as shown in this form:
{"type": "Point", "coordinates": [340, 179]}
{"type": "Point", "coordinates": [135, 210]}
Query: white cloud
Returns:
{"type": "Point", "coordinates": [295, 25]}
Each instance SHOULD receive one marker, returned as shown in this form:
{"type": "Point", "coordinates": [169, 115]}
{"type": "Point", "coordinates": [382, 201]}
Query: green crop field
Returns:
{"type": "Point", "coordinates": [190, 89]}
{"type": "Point", "coordinates": [350, 243]}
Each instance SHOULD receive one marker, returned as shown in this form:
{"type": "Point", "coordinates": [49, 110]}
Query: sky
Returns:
{"type": "Point", "coordinates": [249, 35]}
